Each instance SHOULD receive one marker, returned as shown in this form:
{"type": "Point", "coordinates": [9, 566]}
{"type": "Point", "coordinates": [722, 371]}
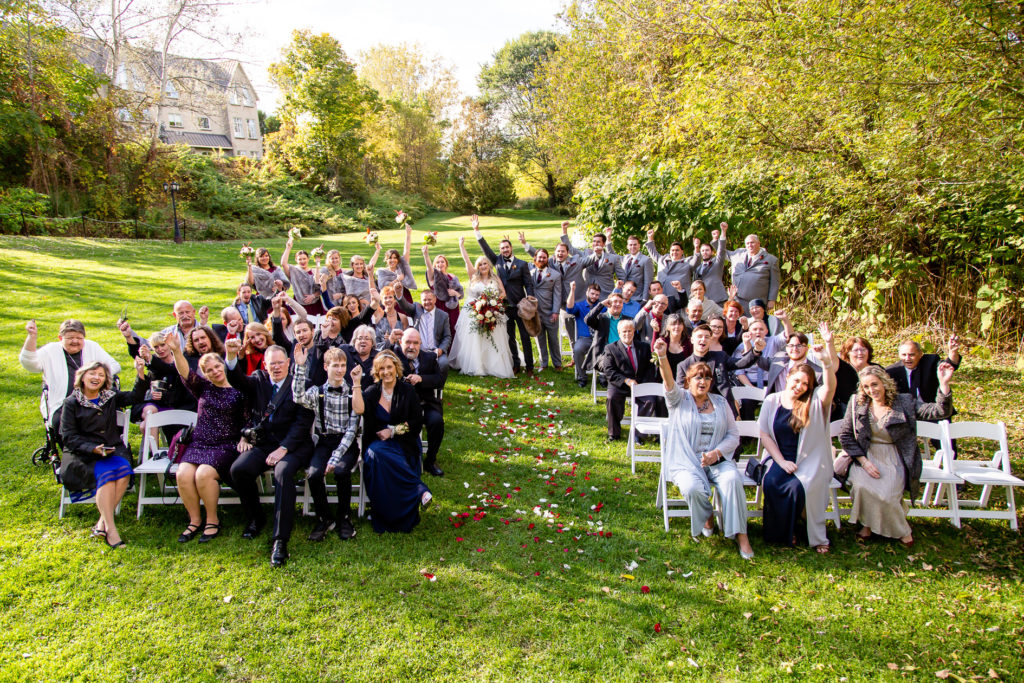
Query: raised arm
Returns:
{"type": "Point", "coordinates": [486, 248]}
{"type": "Point", "coordinates": [829, 363]}
{"type": "Point", "coordinates": [249, 277]}
{"type": "Point", "coordinates": [720, 251]}
{"type": "Point", "coordinates": [284, 257]}
{"type": "Point", "coordinates": [570, 300]}
{"type": "Point", "coordinates": [428, 265]}
{"type": "Point", "coordinates": [787, 325]}
{"type": "Point", "coordinates": [652, 249]}
{"type": "Point", "coordinates": [661, 349]}
{"type": "Point", "coordinates": [180, 363]}
{"type": "Point", "coordinates": [373, 259]}
{"type": "Point", "coordinates": [407, 253]}
{"type": "Point", "coordinates": [465, 257]}
{"type": "Point", "coordinates": [297, 308]}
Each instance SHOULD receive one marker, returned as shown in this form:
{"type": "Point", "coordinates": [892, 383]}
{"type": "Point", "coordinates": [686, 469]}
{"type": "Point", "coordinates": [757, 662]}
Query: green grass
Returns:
{"type": "Point", "coordinates": [510, 602]}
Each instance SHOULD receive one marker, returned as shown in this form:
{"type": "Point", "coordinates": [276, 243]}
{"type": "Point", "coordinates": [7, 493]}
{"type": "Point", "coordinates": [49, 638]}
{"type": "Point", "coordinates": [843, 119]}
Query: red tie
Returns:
{"type": "Point", "coordinates": [632, 360]}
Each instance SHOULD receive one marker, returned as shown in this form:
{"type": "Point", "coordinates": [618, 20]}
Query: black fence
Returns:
{"type": "Point", "coordinates": [84, 226]}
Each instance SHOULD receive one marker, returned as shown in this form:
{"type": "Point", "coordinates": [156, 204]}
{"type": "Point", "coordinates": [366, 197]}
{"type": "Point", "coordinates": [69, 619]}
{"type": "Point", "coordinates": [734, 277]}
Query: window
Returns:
{"type": "Point", "coordinates": [121, 80]}
{"type": "Point", "coordinates": [239, 131]}
{"type": "Point", "coordinates": [123, 115]}
{"type": "Point", "coordinates": [175, 121]}
{"type": "Point", "coordinates": [246, 97]}
{"type": "Point", "coordinates": [204, 122]}
{"type": "Point", "coordinates": [171, 91]}
{"type": "Point", "coordinates": [254, 129]}
{"type": "Point", "coordinates": [234, 96]}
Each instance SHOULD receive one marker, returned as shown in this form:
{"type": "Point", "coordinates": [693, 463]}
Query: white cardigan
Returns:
{"type": "Point", "coordinates": [50, 361]}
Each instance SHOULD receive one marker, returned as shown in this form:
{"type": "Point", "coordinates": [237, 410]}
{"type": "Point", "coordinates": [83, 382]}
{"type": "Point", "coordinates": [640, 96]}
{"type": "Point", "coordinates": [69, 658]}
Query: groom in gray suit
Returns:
{"type": "Point", "coordinates": [755, 273]}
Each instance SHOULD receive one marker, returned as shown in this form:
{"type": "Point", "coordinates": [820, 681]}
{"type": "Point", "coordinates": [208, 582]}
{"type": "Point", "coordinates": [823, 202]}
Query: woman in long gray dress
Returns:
{"type": "Point", "coordinates": [700, 440]}
{"type": "Point", "coordinates": [880, 436]}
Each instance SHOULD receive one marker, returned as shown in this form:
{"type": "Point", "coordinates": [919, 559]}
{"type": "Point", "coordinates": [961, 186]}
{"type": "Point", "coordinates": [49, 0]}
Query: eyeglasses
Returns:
{"type": "Point", "coordinates": [793, 347]}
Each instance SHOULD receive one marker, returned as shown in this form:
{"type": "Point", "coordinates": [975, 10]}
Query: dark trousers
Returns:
{"type": "Point", "coordinates": [433, 419]}
{"type": "Point", "coordinates": [245, 472]}
{"type": "Point", "coordinates": [316, 475]}
{"type": "Point", "coordinates": [511, 324]}
{"type": "Point", "coordinates": [615, 408]}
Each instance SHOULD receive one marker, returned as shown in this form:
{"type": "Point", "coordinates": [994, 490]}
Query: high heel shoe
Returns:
{"type": "Point", "coordinates": [747, 556]}
{"type": "Point", "coordinates": [114, 546]}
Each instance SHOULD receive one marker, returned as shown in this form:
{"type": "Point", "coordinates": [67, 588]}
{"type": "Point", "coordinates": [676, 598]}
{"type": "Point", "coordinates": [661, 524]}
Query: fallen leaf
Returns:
{"type": "Point", "coordinates": [893, 666]}
{"type": "Point", "coordinates": [944, 674]}
{"type": "Point", "coordinates": [627, 577]}
{"type": "Point", "coordinates": [692, 663]}
{"type": "Point", "coordinates": [747, 615]}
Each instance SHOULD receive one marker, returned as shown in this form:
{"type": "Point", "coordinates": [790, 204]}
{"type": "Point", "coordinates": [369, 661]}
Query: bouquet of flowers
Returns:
{"type": "Point", "coordinates": [430, 238]}
{"type": "Point", "coordinates": [371, 237]}
{"type": "Point", "coordinates": [401, 429]}
{"type": "Point", "coordinates": [487, 311]}
{"type": "Point", "coordinates": [295, 233]}
{"type": "Point", "coordinates": [402, 218]}
{"type": "Point", "coordinates": [318, 253]}
{"type": "Point", "coordinates": [247, 251]}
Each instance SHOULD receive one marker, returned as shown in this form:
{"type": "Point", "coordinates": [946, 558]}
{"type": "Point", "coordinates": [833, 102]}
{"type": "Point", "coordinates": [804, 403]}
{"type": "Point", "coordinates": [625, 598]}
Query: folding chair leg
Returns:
{"type": "Point", "coordinates": [663, 491]}
{"type": "Point", "coordinates": [835, 508]}
{"type": "Point", "coordinates": [1011, 505]}
{"type": "Point", "coordinates": [141, 495]}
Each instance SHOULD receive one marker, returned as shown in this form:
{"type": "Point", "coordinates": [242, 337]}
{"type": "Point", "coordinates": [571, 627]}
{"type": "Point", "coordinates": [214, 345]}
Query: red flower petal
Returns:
{"type": "Point", "coordinates": [657, 628]}
{"type": "Point", "coordinates": [645, 589]}
{"type": "Point", "coordinates": [458, 538]}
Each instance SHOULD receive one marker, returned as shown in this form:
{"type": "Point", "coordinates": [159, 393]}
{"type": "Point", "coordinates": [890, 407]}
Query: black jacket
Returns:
{"type": "Point", "coordinates": [617, 369]}
{"type": "Point", "coordinates": [289, 425]}
{"type": "Point", "coordinates": [517, 282]}
{"type": "Point", "coordinates": [430, 374]}
{"type": "Point", "coordinates": [924, 377]}
{"type": "Point", "coordinates": [600, 322]}
{"type": "Point", "coordinates": [721, 365]}
{"type": "Point", "coordinates": [405, 407]}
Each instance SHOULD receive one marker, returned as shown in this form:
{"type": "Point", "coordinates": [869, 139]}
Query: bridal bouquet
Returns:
{"type": "Point", "coordinates": [317, 254]}
{"type": "Point", "coordinates": [487, 311]}
{"type": "Point", "coordinates": [430, 238]}
{"type": "Point", "coordinates": [371, 237]}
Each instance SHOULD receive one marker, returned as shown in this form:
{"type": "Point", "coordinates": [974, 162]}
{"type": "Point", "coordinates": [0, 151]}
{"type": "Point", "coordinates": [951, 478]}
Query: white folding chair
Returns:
{"type": "Point", "coordinates": [646, 426]}
{"type": "Point", "coordinates": [596, 393]}
{"type": "Point", "coordinates": [984, 473]}
{"type": "Point", "coordinates": [937, 471]}
{"type": "Point", "coordinates": [124, 422]}
{"type": "Point", "coordinates": [153, 458]}
{"type": "Point", "coordinates": [750, 428]}
{"type": "Point", "coordinates": [834, 429]}
{"type": "Point", "coordinates": [742, 392]}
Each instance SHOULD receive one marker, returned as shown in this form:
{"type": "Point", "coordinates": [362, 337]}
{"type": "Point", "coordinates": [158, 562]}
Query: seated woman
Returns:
{"type": "Point", "coordinates": [96, 462]}
{"type": "Point", "coordinates": [264, 274]}
{"type": "Point", "coordinates": [305, 280]}
{"type": "Point", "coordinates": [255, 343]}
{"type": "Point", "coordinates": [733, 336]}
{"type": "Point", "coordinates": [759, 311]}
{"type": "Point", "coordinates": [392, 420]}
{"type": "Point", "coordinates": [700, 440]}
{"type": "Point", "coordinates": [214, 446]}
{"type": "Point", "coordinates": [880, 435]}
{"type": "Point", "coordinates": [388, 319]}
{"type": "Point", "coordinates": [397, 268]}
{"type": "Point", "coordinates": [795, 431]}
{"type": "Point", "coordinates": [446, 287]}
{"type": "Point", "coordinates": [679, 345]}
{"type": "Point", "coordinates": [717, 325]}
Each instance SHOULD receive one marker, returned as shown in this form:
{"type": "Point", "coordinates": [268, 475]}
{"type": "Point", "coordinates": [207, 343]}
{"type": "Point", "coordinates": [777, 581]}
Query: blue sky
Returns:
{"type": "Point", "coordinates": [465, 33]}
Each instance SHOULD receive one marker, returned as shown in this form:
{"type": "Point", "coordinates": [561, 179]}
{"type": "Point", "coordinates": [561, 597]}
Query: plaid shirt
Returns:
{"type": "Point", "coordinates": [337, 417]}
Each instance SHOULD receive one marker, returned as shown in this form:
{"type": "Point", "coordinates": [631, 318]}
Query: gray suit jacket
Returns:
{"type": "Point", "coordinates": [758, 279]}
{"type": "Point", "coordinates": [604, 271]}
{"type": "Point", "coordinates": [442, 329]}
{"type": "Point", "coordinates": [639, 269]}
{"type": "Point", "coordinates": [547, 291]}
{"type": "Point", "coordinates": [711, 274]}
{"type": "Point", "coordinates": [570, 271]}
{"type": "Point", "coordinates": [669, 270]}
{"type": "Point", "coordinates": [777, 364]}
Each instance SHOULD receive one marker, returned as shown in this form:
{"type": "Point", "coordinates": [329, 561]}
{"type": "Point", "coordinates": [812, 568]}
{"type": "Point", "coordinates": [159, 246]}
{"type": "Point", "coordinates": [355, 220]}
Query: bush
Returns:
{"type": "Point", "coordinates": [20, 209]}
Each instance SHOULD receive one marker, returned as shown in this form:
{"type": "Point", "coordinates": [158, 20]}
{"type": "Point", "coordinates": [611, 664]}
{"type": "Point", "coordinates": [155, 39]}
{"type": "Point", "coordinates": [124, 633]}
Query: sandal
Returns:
{"type": "Point", "coordinates": [206, 537]}
{"type": "Point", "coordinates": [98, 533]}
{"type": "Point", "coordinates": [189, 533]}
{"type": "Point", "coordinates": [113, 546]}
{"type": "Point", "coordinates": [823, 549]}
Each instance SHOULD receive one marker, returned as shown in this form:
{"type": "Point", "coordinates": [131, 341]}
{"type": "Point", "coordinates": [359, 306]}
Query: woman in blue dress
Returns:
{"type": "Point", "coordinates": [794, 426]}
{"type": "Point", "coordinates": [96, 461]}
{"type": "Point", "coordinates": [392, 422]}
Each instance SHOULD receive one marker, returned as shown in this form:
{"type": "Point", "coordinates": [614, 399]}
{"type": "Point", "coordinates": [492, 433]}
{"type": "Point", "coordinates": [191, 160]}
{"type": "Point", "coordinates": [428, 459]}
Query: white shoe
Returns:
{"type": "Point", "coordinates": [708, 533]}
{"type": "Point", "coordinates": [426, 499]}
{"type": "Point", "coordinates": [746, 555]}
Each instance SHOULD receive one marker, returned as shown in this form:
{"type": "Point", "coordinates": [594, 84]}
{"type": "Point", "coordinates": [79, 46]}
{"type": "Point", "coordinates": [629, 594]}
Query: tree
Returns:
{"type": "Point", "coordinates": [477, 178]}
{"type": "Point", "coordinates": [510, 87]}
{"type": "Point", "coordinates": [321, 136]}
{"type": "Point", "coordinates": [269, 123]}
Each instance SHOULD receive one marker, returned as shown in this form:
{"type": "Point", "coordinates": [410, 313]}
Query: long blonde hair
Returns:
{"type": "Point", "coordinates": [494, 279]}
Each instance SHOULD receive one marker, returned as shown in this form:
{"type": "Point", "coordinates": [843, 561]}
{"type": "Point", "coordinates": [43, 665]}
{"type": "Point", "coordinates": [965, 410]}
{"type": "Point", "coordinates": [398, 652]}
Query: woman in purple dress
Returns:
{"type": "Point", "coordinates": [208, 457]}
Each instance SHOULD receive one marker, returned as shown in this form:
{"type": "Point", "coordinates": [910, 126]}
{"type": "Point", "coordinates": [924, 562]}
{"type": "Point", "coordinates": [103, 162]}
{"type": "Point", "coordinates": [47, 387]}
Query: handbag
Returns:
{"type": "Point", "coordinates": [179, 443]}
{"type": "Point", "coordinates": [755, 470]}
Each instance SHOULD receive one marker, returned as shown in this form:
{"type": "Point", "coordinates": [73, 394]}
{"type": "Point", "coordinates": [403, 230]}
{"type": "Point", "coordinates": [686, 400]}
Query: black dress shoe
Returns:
{"type": "Point", "coordinates": [319, 532]}
{"type": "Point", "coordinates": [433, 469]}
{"type": "Point", "coordinates": [582, 383]}
{"type": "Point", "coordinates": [345, 529]}
{"type": "Point", "coordinates": [613, 438]}
{"type": "Point", "coordinates": [279, 553]}
{"type": "Point", "coordinates": [253, 528]}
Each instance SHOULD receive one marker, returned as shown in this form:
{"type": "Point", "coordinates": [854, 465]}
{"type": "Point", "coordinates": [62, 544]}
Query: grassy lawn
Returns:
{"type": "Point", "coordinates": [532, 539]}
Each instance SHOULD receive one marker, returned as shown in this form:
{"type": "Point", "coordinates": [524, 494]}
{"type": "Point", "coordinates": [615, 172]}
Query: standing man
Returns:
{"type": "Point", "coordinates": [672, 266]}
{"type": "Point", "coordinates": [583, 338]}
{"type": "Point", "coordinates": [708, 264]}
{"type": "Point", "coordinates": [755, 273]}
{"type": "Point", "coordinates": [638, 268]}
{"type": "Point", "coordinates": [547, 284]}
{"type": "Point", "coordinates": [570, 269]}
{"type": "Point", "coordinates": [600, 265]}
{"type": "Point", "coordinates": [252, 307]}
{"type": "Point", "coordinates": [421, 371]}
{"type": "Point", "coordinates": [515, 277]}
{"type": "Point", "coordinates": [278, 439]}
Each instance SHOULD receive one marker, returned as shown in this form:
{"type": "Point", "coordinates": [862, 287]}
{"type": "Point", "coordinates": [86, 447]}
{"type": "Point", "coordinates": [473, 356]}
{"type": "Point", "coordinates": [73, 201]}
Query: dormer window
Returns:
{"type": "Point", "coordinates": [171, 91]}
{"type": "Point", "coordinates": [204, 122]}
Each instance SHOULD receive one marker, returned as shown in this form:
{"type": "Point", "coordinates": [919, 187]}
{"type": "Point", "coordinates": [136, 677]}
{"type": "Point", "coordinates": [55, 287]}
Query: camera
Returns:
{"type": "Point", "coordinates": [257, 435]}
{"type": "Point", "coordinates": [158, 385]}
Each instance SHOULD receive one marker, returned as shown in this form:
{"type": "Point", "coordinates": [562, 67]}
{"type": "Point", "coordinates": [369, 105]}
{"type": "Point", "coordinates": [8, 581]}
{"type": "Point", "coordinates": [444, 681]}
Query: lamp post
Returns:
{"type": "Point", "coordinates": [173, 188]}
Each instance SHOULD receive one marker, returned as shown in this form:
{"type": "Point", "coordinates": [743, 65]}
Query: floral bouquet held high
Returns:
{"type": "Point", "coordinates": [247, 251]}
{"type": "Point", "coordinates": [371, 237]}
{"type": "Point", "coordinates": [402, 218]}
{"type": "Point", "coordinates": [486, 312]}
{"type": "Point", "coordinates": [430, 238]}
{"type": "Point", "coordinates": [295, 233]}
{"type": "Point", "coordinates": [317, 254]}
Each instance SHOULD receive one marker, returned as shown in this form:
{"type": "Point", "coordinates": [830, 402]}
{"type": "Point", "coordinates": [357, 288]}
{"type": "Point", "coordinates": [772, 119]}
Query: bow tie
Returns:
{"type": "Point", "coordinates": [508, 263]}
{"type": "Point", "coordinates": [335, 390]}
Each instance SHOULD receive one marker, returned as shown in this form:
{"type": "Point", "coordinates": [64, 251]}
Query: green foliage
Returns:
{"type": "Point", "coordinates": [478, 179]}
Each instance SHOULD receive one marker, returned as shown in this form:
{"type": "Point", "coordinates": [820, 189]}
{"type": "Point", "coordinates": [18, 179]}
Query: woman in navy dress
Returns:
{"type": "Point", "coordinates": [96, 461]}
{"type": "Point", "coordinates": [391, 448]}
{"type": "Point", "coordinates": [214, 446]}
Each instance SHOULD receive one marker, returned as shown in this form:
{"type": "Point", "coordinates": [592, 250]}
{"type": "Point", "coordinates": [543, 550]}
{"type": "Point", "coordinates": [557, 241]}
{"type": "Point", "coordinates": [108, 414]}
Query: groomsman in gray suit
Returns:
{"type": "Point", "coordinates": [672, 267]}
{"type": "Point", "coordinates": [547, 287]}
{"type": "Point", "coordinates": [600, 265]}
{"type": "Point", "coordinates": [708, 264]}
{"type": "Point", "coordinates": [637, 267]}
{"type": "Point", "coordinates": [755, 273]}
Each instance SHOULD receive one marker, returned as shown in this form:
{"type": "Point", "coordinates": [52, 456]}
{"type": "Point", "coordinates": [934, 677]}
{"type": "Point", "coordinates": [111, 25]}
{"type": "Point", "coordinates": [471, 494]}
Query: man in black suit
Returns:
{"type": "Point", "coordinates": [432, 324]}
{"type": "Point", "coordinates": [282, 443]}
{"type": "Point", "coordinates": [625, 364]}
{"type": "Point", "coordinates": [603, 321]}
{"type": "Point", "coordinates": [233, 325]}
{"type": "Point", "coordinates": [515, 277]}
{"type": "Point", "coordinates": [420, 369]}
{"type": "Point", "coordinates": [917, 372]}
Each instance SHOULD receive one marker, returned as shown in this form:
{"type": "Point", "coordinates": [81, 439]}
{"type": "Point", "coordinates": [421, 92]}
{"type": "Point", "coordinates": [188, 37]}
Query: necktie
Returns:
{"type": "Point", "coordinates": [252, 312]}
{"type": "Point", "coordinates": [416, 366]}
{"type": "Point", "coordinates": [705, 267]}
{"type": "Point", "coordinates": [632, 360]}
{"type": "Point", "coordinates": [273, 391]}
{"type": "Point", "coordinates": [629, 263]}
{"type": "Point", "coordinates": [539, 277]}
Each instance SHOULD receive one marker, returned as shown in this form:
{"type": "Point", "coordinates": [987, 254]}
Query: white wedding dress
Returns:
{"type": "Point", "coordinates": [474, 352]}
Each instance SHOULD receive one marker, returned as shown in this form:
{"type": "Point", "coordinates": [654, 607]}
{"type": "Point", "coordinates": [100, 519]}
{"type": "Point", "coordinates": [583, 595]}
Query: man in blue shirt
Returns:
{"type": "Point", "coordinates": [579, 311]}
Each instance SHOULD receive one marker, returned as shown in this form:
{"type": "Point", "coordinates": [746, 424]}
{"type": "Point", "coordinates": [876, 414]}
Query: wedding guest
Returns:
{"type": "Point", "coordinates": [278, 439]}
{"type": "Point", "coordinates": [305, 280]}
{"type": "Point", "coordinates": [733, 334]}
{"type": "Point", "coordinates": [96, 462]}
{"type": "Point", "coordinates": [184, 320]}
{"type": "Point", "coordinates": [794, 428]}
{"type": "Point", "coordinates": [697, 290]}
{"type": "Point", "coordinates": [362, 351]}
{"type": "Point", "coordinates": [916, 372]}
{"type": "Point", "coordinates": [388, 321]}
{"type": "Point", "coordinates": [637, 268]}
{"type": "Point", "coordinates": [332, 284]}
{"type": "Point", "coordinates": [547, 288]}
{"type": "Point", "coordinates": [880, 436]}
{"type": "Point", "coordinates": [694, 317]}
{"type": "Point", "coordinates": [650, 319]}
{"type": "Point", "coordinates": [755, 273]}
{"type": "Point", "coordinates": [625, 364]}
{"type": "Point", "coordinates": [779, 366]}
{"type": "Point", "coordinates": [569, 269]}
{"type": "Point", "coordinates": [579, 310]}
{"type": "Point", "coordinates": [432, 325]}
{"type": "Point", "coordinates": [603, 321]}
{"type": "Point", "coordinates": [392, 422]}
{"type": "Point", "coordinates": [167, 391]}
{"type": "Point", "coordinates": [232, 324]}
{"type": "Point", "coordinates": [264, 274]}
{"type": "Point", "coordinates": [717, 325]}
{"type": "Point", "coordinates": [708, 264]}
{"type": "Point", "coordinates": [446, 287]}
{"type": "Point", "coordinates": [679, 345]}
{"type": "Point", "coordinates": [220, 416]}
{"type": "Point", "coordinates": [254, 345]}
{"type": "Point", "coordinates": [360, 281]}
{"type": "Point", "coordinates": [672, 266]}
{"type": "Point", "coordinates": [421, 371]}
{"type": "Point", "coordinates": [281, 322]}
{"type": "Point", "coordinates": [514, 274]}
{"type": "Point", "coordinates": [759, 311]}
{"type": "Point", "coordinates": [397, 268]}
{"type": "Point", "coordinates": [252, 308]}
{"type": "Point", "coordinates": [200, 340]}
{"type": "Point", "coordinates": [600, 266]}
{"type": "Point", "coordinates": [677, 299]}
{"type": "Point", "coordinates": [631, 304]}
{"type": "Point", "coordinates": [700, 439]}
{"type": "Point", "coordinates": [336, 410]}
{"type": "Point", "coordinates": [855, 354]}
{"type": "Point", "coordinates": [722, 366]}
{"type": "Point", "coordinates": [353, 314]}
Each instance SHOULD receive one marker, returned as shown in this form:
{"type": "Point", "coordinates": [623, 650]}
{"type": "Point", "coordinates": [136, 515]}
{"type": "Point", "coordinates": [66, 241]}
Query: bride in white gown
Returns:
{"type": "Point", "coordinates": [475, 351]}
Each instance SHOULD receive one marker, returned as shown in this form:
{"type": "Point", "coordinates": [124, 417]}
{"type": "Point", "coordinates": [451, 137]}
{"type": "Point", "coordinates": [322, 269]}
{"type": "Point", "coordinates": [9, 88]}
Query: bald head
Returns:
{"type": "Point", "coordinates": [411, 343]}
{"type": "Point", "coordinates": [184, 314]}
